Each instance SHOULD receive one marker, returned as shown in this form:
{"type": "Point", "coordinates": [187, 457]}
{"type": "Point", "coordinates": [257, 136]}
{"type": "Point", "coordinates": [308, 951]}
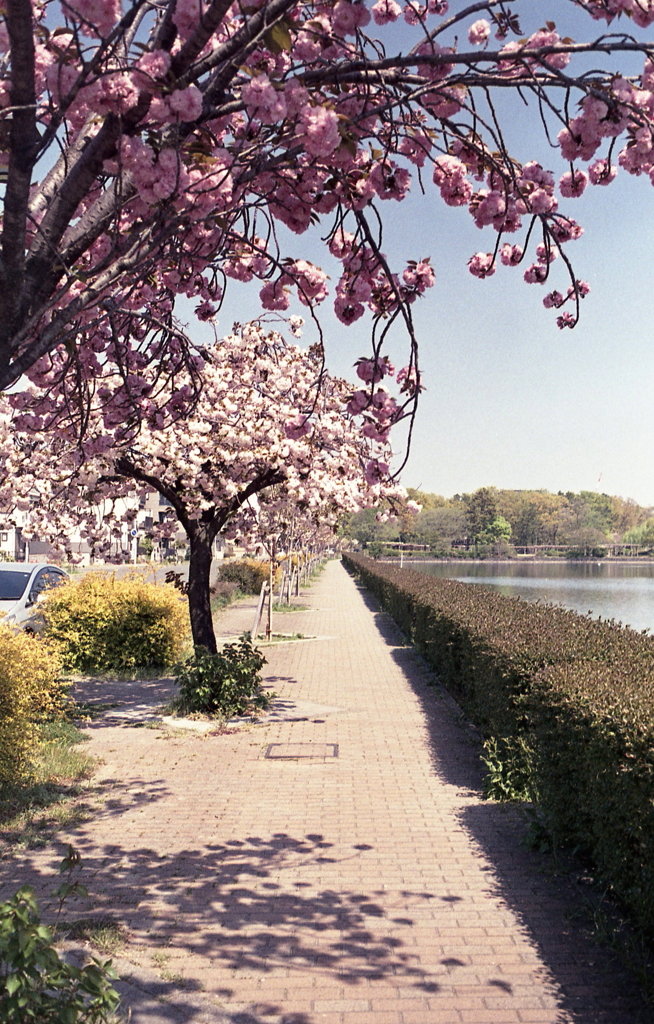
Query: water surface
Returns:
{"type": "Point", "coordinates": [611, 590]}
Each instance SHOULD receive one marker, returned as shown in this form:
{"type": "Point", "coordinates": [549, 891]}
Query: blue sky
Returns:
{"type": "Point", "coordinates": [510, 399]}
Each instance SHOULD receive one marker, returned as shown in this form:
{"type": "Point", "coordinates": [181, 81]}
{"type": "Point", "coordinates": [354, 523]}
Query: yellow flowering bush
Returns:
{"type": "Point", "coordinates": [29, 692]}
{"type": "Point", "coordinates": [103, 621]}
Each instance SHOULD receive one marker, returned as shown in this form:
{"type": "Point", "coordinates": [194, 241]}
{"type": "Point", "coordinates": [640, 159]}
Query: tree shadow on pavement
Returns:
{"type": "Point", "coordinates": [235, 904]}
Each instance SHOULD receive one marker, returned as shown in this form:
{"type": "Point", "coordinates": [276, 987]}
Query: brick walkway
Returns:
{"type": "Point", "coordinates": [374, 887]}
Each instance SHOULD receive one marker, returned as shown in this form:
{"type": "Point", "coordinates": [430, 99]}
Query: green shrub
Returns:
{"type": "Point", "coordinates": [36, 985]}
{"type": "Point", "coordinates": [227, 683]}
{"type": "Point", "coordinates": [509, 767]}
{"type": "Point", "coordinates": [222, 594]}
{"type": "Point", "coordinates": [247, 573]}
{"type": "Point", "coordinates": [29, 693]}
{"type": "Point", "coordinates": [566, 705]}
{"type": "Point", "coordinates": [105, 622]}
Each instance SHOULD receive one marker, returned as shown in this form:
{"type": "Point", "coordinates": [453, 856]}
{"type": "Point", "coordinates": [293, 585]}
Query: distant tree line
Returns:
{"type": "Point", "coordinates": [492, 521]}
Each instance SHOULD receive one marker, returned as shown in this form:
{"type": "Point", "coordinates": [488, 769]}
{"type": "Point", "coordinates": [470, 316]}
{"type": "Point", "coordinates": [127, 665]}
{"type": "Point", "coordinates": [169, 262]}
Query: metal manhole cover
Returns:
{"type": "Point", "coordinates": [281, 751]}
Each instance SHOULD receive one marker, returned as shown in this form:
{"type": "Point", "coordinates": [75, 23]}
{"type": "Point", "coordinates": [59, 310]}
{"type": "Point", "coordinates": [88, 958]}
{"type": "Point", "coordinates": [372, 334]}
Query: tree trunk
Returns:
{"type": "Point", "coordinates": [199, 596]}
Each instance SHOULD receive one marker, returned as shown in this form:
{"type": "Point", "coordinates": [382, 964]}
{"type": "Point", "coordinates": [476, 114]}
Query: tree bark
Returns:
{"type": "Point", "coordinates": [199, 578]}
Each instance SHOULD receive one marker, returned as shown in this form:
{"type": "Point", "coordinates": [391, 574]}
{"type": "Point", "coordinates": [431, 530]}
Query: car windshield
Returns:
{"type": "Point", "coordinates": [12, 584]}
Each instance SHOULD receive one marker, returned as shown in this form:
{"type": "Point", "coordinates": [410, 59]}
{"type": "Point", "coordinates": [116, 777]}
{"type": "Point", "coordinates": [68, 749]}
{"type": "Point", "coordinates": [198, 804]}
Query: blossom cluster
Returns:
{"type": "Point", "coordinates": [168, 155]}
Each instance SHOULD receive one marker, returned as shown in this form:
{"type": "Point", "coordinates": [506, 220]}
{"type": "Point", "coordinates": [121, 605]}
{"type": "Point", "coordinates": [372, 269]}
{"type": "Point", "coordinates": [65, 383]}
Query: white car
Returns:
{"type": "Point", "coordinates": [21, 585]}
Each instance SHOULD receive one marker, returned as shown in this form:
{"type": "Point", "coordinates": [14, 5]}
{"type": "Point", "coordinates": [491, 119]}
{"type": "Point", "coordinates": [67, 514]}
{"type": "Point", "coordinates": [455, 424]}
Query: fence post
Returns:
{"type": "Point", "coordinates": [273, 565]}
{"type": "Point", "coordinates": [257, 615]}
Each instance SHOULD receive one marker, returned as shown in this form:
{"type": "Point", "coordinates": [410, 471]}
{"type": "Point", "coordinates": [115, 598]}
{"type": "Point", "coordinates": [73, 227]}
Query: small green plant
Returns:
{"type": "Point", "coordinates": [537, 836]}
{"type": "Point", "coordinates": [227, 683]}
{"type": "Point", "coordinates": [36, 985]}
{"type": "Point", "coordinates": [508, 760]}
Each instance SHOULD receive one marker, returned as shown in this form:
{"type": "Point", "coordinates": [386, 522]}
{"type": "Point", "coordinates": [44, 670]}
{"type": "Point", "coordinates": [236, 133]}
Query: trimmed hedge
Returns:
{"type": "Point", "coordinates": [575, 694]}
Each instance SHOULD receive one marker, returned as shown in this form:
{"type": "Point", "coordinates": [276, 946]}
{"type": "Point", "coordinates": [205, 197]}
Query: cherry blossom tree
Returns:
{"type": "Point", "coordinates": [154, 151]}
{"type": "Point", "coordinates": [268, 415]}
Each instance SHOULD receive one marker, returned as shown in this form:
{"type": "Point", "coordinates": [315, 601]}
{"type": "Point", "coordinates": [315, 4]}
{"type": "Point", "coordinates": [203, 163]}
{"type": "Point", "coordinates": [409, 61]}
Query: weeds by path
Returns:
{"type": "Point", "coordinates": [31, 814]}
{"type": "Point", "coordinates": [103, 933]}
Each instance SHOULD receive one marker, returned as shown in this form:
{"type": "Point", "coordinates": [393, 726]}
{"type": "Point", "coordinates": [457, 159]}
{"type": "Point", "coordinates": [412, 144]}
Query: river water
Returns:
{"type": "Point", "coordinates": [612, 590]}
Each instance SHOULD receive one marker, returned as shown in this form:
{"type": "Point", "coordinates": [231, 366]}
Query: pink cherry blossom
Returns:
{"type": "Point", "coordinates": [100, 15]}
{"type": "Point", "coordinates": [389, 180]}
{"type": "Point", "coordinates": [573, 183]}
{"type": "Point", "coordinates": [510, 255]}
{"type": "Point", "coordinates": [546, 254]}
{"type": "Point", "coordinates": [373, 370]}
{"type": "Point", "coordinates": [419, 276]}
{"type": "Point", "coordinates": [347, 310]}
{"type": "Point", "coordinates": [385, 11]}
{"type": "Point", "coordinates": [376, 472]}
{"type": "Point", "coordinates": [482, 265]}
{"type": "Point", "coordinates": [155, 64]}
{"type": "Point", "coordinates": [298, 427]}
{"type": "Point", "coordinates": [536, 273]}
{"type": "Point", "coordinates": [263, 101]}
{"type": "Point", "coordinates": [358, 402]}
{"type": "Point", "coordinates": [450, 175]}
{"type": "Point", "coordinates": [566, 320]}
{"type": "Point", "coordinates": [479, 32]}
{"type": "Point", "coordinates": [319, 128]}
{"type": "Point", "coordinates": [416, 147]}
{"type": "Point", "coordinates": [186, 103]}
{"type": "Point", "coordinates": [311, 281]}
{"type": "Point", "coordinates": [274, 296]}
{"type": "Point", "coordinates": [348, 16]}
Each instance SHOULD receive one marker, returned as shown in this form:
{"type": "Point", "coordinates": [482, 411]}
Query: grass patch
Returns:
{"type": "Point", "coordinates": [281, 638]}
{"type": "Point", "coordinates": [290, 607]}
{"type": "Point", "coordinates": [104, 934]}
{"type": "Point", "coordinates": [60, 759]}
{"type": "Point", "coordinates": [90, 711]}
{"type": "Point", "coordinates": [31, 814]}
{"type": "Point", "coordinates": [128, 675]}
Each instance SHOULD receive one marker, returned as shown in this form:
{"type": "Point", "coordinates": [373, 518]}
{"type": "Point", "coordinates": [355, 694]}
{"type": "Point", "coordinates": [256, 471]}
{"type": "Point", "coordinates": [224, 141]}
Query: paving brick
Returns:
{"type": "Point", "coordinates": [369, 1017]}
{"type": "Point", "coordinates": [443, 1016]}
{"type": "Point", "coordinates": [341, 1005]}
{"type": "Point", "coordinates": [542, 1017]}
{"type": "Point", "coordinates": [489, 1016]}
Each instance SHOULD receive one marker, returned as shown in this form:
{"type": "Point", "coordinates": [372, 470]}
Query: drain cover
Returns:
{"type": "Point", "coordinates": [280, 751]}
